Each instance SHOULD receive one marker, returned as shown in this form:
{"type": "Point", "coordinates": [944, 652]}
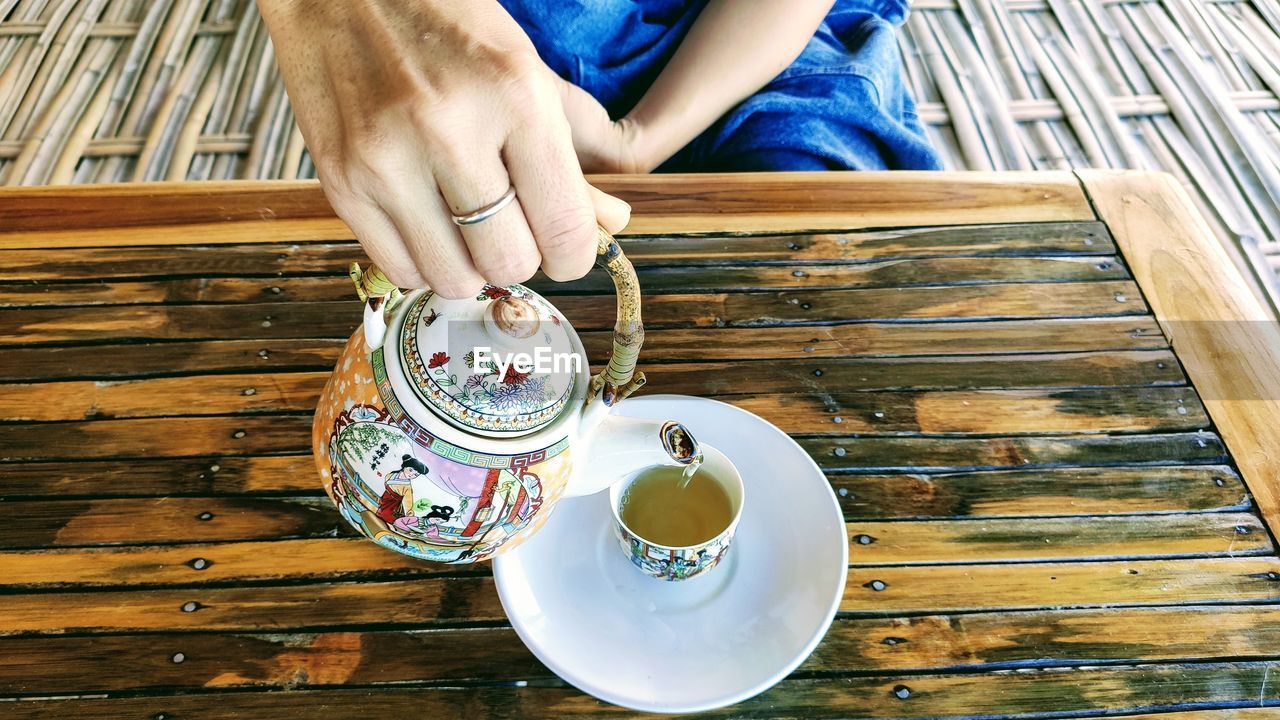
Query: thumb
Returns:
{"type": "Point", "coordinates": [612, 213]}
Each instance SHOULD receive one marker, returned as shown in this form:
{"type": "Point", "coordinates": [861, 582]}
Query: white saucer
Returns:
{"type": "Point", "coordinates": [588, 614]}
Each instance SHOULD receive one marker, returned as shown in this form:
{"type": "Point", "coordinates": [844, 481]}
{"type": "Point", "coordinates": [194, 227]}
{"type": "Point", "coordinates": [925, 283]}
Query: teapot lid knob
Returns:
{"type": "Point", "coordinates": [511, 317]}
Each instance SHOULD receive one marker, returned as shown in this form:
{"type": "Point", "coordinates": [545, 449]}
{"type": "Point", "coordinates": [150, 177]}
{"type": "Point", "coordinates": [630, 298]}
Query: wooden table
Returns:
{"type": "Point", "coordinates": [1052, 510]}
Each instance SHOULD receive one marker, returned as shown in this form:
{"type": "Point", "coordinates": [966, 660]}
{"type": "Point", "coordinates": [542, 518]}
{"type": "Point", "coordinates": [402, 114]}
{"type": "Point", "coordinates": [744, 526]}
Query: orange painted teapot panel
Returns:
{"type": "Point", "coordinates": [413, 492]}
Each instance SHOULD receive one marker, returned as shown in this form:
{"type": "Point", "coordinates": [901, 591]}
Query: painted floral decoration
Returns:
{"type": "Point", "coordinates": [479, 396]}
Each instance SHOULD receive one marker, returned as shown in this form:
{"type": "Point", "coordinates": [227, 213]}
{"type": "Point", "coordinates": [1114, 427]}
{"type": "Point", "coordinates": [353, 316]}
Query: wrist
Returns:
{"type": "Point", "coordinates": [643, 152]}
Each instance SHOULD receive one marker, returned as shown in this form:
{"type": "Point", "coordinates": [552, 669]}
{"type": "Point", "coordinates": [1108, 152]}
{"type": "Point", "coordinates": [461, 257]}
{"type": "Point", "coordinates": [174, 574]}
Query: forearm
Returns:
{"type": "Point", "coordinates": [733, 49]}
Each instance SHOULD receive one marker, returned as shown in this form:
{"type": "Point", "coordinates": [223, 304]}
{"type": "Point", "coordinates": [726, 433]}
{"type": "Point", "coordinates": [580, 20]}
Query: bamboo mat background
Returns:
{"type": "Point", "coordinates": [120, 90]}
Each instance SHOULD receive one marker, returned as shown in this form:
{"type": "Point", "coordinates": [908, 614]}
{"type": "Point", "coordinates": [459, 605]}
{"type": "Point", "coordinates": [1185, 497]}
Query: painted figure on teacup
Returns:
{"type": "Point", "coordinates": [668, 563]}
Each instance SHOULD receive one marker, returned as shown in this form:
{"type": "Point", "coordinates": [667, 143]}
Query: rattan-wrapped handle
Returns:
{"type": "Point", "coordinates": [619, 378]}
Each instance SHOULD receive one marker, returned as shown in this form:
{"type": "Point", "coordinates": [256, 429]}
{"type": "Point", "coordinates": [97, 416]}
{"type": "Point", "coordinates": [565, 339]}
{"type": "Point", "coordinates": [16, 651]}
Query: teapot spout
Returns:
{"type": "Point", "coordinates": [621, 446]}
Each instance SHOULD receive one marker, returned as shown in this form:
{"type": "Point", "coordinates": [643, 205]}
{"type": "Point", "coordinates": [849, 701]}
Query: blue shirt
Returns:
{"type": "Point", "coordinates": [841, 105]}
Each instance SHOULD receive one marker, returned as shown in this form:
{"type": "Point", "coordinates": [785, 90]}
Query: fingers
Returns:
{"type": "Point", "coordinates": [432, 240]}
{"type": "Point", "coordinates": [380, 239]}
{"type": "Point", "coordinates": [557, 206]}
{"type": "Point", "coordinates": [612, 214]}
{"type": "Point", "coordinates": [502, 246]}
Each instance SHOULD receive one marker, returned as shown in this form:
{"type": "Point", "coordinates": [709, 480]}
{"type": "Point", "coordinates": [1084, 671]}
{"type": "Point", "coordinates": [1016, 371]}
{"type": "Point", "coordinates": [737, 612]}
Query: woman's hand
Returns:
{"type": "Point", "coordinates": [418, 110]}
{"type": "Point", "coordinates": [603, 145]}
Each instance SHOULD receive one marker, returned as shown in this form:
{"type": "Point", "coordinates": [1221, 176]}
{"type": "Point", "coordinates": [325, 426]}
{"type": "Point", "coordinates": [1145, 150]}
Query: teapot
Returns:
{"type": "Point", "coordinates": [450, 429]}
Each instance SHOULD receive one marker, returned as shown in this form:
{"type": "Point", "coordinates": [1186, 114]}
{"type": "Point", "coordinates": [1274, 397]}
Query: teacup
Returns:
{"type": "Point", "coordinates": [667, 562]}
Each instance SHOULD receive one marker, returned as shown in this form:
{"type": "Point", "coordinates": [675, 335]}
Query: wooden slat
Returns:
{"type": "Point", "coordinates": [76, 665]}
{"type": "Point", "coordinates": [199, 395]}
{"type": "Point", "coordinates": [894, 339]}
{"type": "Point", "coordinates": [146, 662]}
{"type": "Point", "coordinates": [958, 411]}
{"type": "Point", "coordinates": [147, 476]}
{"type": "Point", "coordinates": [241, 608]}
{"type": "Point", "coordinates": [959, 588]}
{"type": "Point", "coordinates": [1001, 694]}
{"type": "Point", "coordinates": [1041, 493]}
{"type": "Point", "coordinates": [157, 437]}
{"type": "Point", "coordinates": [151, 359]}
{"type": "Point", "coordinates": [586, 312]}
{"type": "Point", "coordinates": [823, 341]}
{"type": "Point", "coordinates": [471, 599]}
{"type": "Point", "coordinates": [996, 301]}
{"type": "Point", "coordinates": [1229, 344]}
{"type": "Point", "coordinates": [981, 411]}
{"type": "Point", "coordinates": [1219, 714]}
{"type": "Point", "coordinates": [944, 642]}
{"type": "Point", "coordinates": [1112, 369]}
{"type": "Point", "coordinates": [223, 562]}
{"type": "Point", "coordinates": [220, 475]}
{"type": "Point", "coordinates": [222, 212]}
{"type": "Point", "coordinates": [911, 454]}
{"type": "Point", "coordinates": [653, 282]}
{"type": "Point", "coordinates": [284, 260]}
{"type": "Point", "coordinates": [938, 588]}
{"type": "Point", "coordinates": [278, 392]}
{"type": "Point", "coordinates": [1087, 491]}
{"type": "Point", "coordinates": [933, 642]}
{"type": "Point", "coordinates": [940, 541]}
{"type": "Point", "coordinates": [204, 520]}
{"type": "Point", "coordinates": [167, 520]}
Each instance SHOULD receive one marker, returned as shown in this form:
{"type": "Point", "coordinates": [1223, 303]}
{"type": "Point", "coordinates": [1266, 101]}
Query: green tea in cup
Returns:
{"type": "Point", "coordinates": [661, 506]}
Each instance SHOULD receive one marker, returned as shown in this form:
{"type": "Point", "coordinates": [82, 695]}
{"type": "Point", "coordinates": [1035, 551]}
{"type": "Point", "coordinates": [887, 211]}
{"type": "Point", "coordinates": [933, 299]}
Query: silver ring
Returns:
{"type": "Point", "coordinates": [487, 211]}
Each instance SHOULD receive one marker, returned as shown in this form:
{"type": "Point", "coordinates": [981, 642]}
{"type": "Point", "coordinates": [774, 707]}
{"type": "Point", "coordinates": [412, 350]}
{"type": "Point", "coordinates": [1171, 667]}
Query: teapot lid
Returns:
{"type": "Point", "coordinates": [501, 364]}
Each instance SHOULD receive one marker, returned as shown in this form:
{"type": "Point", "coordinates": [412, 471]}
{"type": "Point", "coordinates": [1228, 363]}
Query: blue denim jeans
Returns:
{"type": "Point", "coordinates": [841, 105]}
